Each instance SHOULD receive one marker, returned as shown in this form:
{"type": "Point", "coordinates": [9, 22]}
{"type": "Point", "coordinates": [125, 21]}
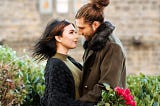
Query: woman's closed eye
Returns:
{"type": "Point", "coordinates": [72, 32]}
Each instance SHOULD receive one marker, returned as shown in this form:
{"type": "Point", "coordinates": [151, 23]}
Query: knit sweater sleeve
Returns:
{"type": "Point", "coordinates": [59, 86]}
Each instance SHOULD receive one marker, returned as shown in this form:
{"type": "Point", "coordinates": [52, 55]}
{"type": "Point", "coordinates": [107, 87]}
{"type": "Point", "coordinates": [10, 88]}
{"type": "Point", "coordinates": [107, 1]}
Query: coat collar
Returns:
{"type": "Point", "coordinates": [100, 37]}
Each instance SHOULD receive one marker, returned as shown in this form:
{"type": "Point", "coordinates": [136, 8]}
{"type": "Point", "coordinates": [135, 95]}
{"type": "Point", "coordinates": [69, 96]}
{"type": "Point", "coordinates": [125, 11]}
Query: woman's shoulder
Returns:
{"type": "Point", "coordinates": [75, 62]}
{"type": "Point", "coordinates": [55, 61]}
{"type": "Point", "coordinates": [56, 66]}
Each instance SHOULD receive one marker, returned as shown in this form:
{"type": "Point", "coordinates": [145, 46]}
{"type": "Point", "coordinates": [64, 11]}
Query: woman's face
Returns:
{"type": "Point", "coordinates": [69, 38]}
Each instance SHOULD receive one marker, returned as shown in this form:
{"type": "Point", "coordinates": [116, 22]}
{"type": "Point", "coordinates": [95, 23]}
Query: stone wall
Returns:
{"type": "Point", "coordinates": [19, 20]}
{"type": "Point", "coordinates": [137, 25]}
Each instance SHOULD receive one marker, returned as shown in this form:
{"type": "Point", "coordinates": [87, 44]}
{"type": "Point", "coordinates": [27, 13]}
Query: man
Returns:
{"type": "Point", "coordinates": [104, 59]}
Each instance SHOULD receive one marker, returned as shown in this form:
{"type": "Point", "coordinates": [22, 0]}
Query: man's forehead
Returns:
{"type": "Point", "coordinates": [80, 23]}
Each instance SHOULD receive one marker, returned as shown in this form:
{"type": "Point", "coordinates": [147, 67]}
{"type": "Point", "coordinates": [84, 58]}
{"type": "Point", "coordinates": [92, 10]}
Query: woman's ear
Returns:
{"type": "Point", "coordinates": [95, 25]}
{"type": "Point", "coordinates": [58, 38]}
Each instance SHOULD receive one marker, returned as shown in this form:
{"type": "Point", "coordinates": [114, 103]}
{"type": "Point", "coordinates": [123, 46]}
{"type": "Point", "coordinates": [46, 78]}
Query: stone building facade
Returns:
{"type": "Point", "coordinates": [137, 25]}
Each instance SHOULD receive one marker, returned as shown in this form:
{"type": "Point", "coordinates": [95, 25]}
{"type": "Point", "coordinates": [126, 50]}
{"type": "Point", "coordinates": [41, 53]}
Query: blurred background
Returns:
{"type": "Point", "coordinates": [137, 25]}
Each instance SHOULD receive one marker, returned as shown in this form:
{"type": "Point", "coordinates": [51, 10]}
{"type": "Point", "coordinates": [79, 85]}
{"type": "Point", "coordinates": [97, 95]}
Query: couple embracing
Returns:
{"type": "Point", "coordinates": [68, 83]}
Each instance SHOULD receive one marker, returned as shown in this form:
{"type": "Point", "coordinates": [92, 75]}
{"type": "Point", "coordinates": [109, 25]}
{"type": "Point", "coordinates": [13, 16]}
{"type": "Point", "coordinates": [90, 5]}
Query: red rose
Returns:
{"type": "Point", "coordinates": [119, 90]}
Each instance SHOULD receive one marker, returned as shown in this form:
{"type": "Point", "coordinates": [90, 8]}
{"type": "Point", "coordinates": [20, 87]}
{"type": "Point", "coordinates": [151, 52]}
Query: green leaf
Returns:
{"type": "Point", "coordinates": [107, 86]}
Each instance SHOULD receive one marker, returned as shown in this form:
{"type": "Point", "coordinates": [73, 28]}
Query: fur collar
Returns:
{"type": "Point", "coordinates": [100, 37]}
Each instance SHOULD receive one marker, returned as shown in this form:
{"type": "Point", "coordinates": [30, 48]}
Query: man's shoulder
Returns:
{"type": "Point", "coordinates": [116, 42]}
{"type": "Point", "coordinates": [112, 45]}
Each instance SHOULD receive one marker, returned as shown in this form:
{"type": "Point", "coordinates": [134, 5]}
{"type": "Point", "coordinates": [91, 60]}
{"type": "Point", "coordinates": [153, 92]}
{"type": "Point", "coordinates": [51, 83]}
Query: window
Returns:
{"type": "Point", "coordinates": [62, 6]}
{"type": "Point", "coordinates": [45, 6]}
{"type": "Point", "coordinates": [78, 4]}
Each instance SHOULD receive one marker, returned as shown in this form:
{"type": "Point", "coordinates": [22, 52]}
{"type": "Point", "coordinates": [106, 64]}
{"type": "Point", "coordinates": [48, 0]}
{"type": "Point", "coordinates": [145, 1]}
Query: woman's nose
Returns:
{"type": "Point", "coordinates": [77, 35]}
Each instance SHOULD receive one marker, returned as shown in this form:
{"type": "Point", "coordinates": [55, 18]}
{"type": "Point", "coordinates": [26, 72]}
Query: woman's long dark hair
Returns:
{"type": "Point", "coordinates": [46, 46]}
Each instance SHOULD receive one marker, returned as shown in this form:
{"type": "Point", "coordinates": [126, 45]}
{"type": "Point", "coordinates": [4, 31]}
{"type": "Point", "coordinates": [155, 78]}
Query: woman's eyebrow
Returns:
{"type": "Point", "coordinates": [71, 30]}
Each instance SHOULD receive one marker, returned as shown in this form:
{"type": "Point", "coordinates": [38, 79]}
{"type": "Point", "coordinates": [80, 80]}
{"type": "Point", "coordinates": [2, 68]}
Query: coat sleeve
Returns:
{"type": "Point", "coordinates": [111, 67]}
{"type": "Point", "coordinates": [57, 90]}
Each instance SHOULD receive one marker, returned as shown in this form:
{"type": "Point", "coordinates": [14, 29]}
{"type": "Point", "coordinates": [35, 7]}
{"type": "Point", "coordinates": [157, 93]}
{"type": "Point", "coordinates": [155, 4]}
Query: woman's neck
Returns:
{"type": "Point", "coordinates": [62, 50]}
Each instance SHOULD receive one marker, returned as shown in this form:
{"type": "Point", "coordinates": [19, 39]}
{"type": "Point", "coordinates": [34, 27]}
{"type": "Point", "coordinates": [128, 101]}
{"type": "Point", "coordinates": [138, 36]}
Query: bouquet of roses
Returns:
{"type": "Point", "coordinates": [116, 97]}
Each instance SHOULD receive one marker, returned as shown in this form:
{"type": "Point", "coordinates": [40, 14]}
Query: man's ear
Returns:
{"type": "Point", "coordinates": [95, 25]}
{"type": "Point", "coordinates": [58, 38]}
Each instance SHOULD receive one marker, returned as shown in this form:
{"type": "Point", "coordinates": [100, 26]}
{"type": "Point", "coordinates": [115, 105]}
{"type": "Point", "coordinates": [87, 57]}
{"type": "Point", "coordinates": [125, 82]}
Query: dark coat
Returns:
{"type": "Point", "coordinates": [104, 62]}
{"type": "Point", "coordinates": [59, 83]}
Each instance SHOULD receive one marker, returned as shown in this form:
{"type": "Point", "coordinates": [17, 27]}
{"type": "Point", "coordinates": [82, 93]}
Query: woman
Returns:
{"type": "Point", "coordinates": [62, 72]}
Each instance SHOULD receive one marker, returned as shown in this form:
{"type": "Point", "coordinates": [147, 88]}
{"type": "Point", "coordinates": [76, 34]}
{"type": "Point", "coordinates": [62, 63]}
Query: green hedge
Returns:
{"type": "Point", "coordinates": [146, 89]}
{"type": "Point", "coordinates": [21, 79]}
{"type": "Point", "coordinates": [22, 82]}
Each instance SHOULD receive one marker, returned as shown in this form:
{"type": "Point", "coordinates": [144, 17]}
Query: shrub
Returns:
{"type": "Point", "coordinates": [21, 79]}
{"type": "Point", "coordinates": [146, 89]}
{"type": "Point", "coordinates": [22, 82]}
